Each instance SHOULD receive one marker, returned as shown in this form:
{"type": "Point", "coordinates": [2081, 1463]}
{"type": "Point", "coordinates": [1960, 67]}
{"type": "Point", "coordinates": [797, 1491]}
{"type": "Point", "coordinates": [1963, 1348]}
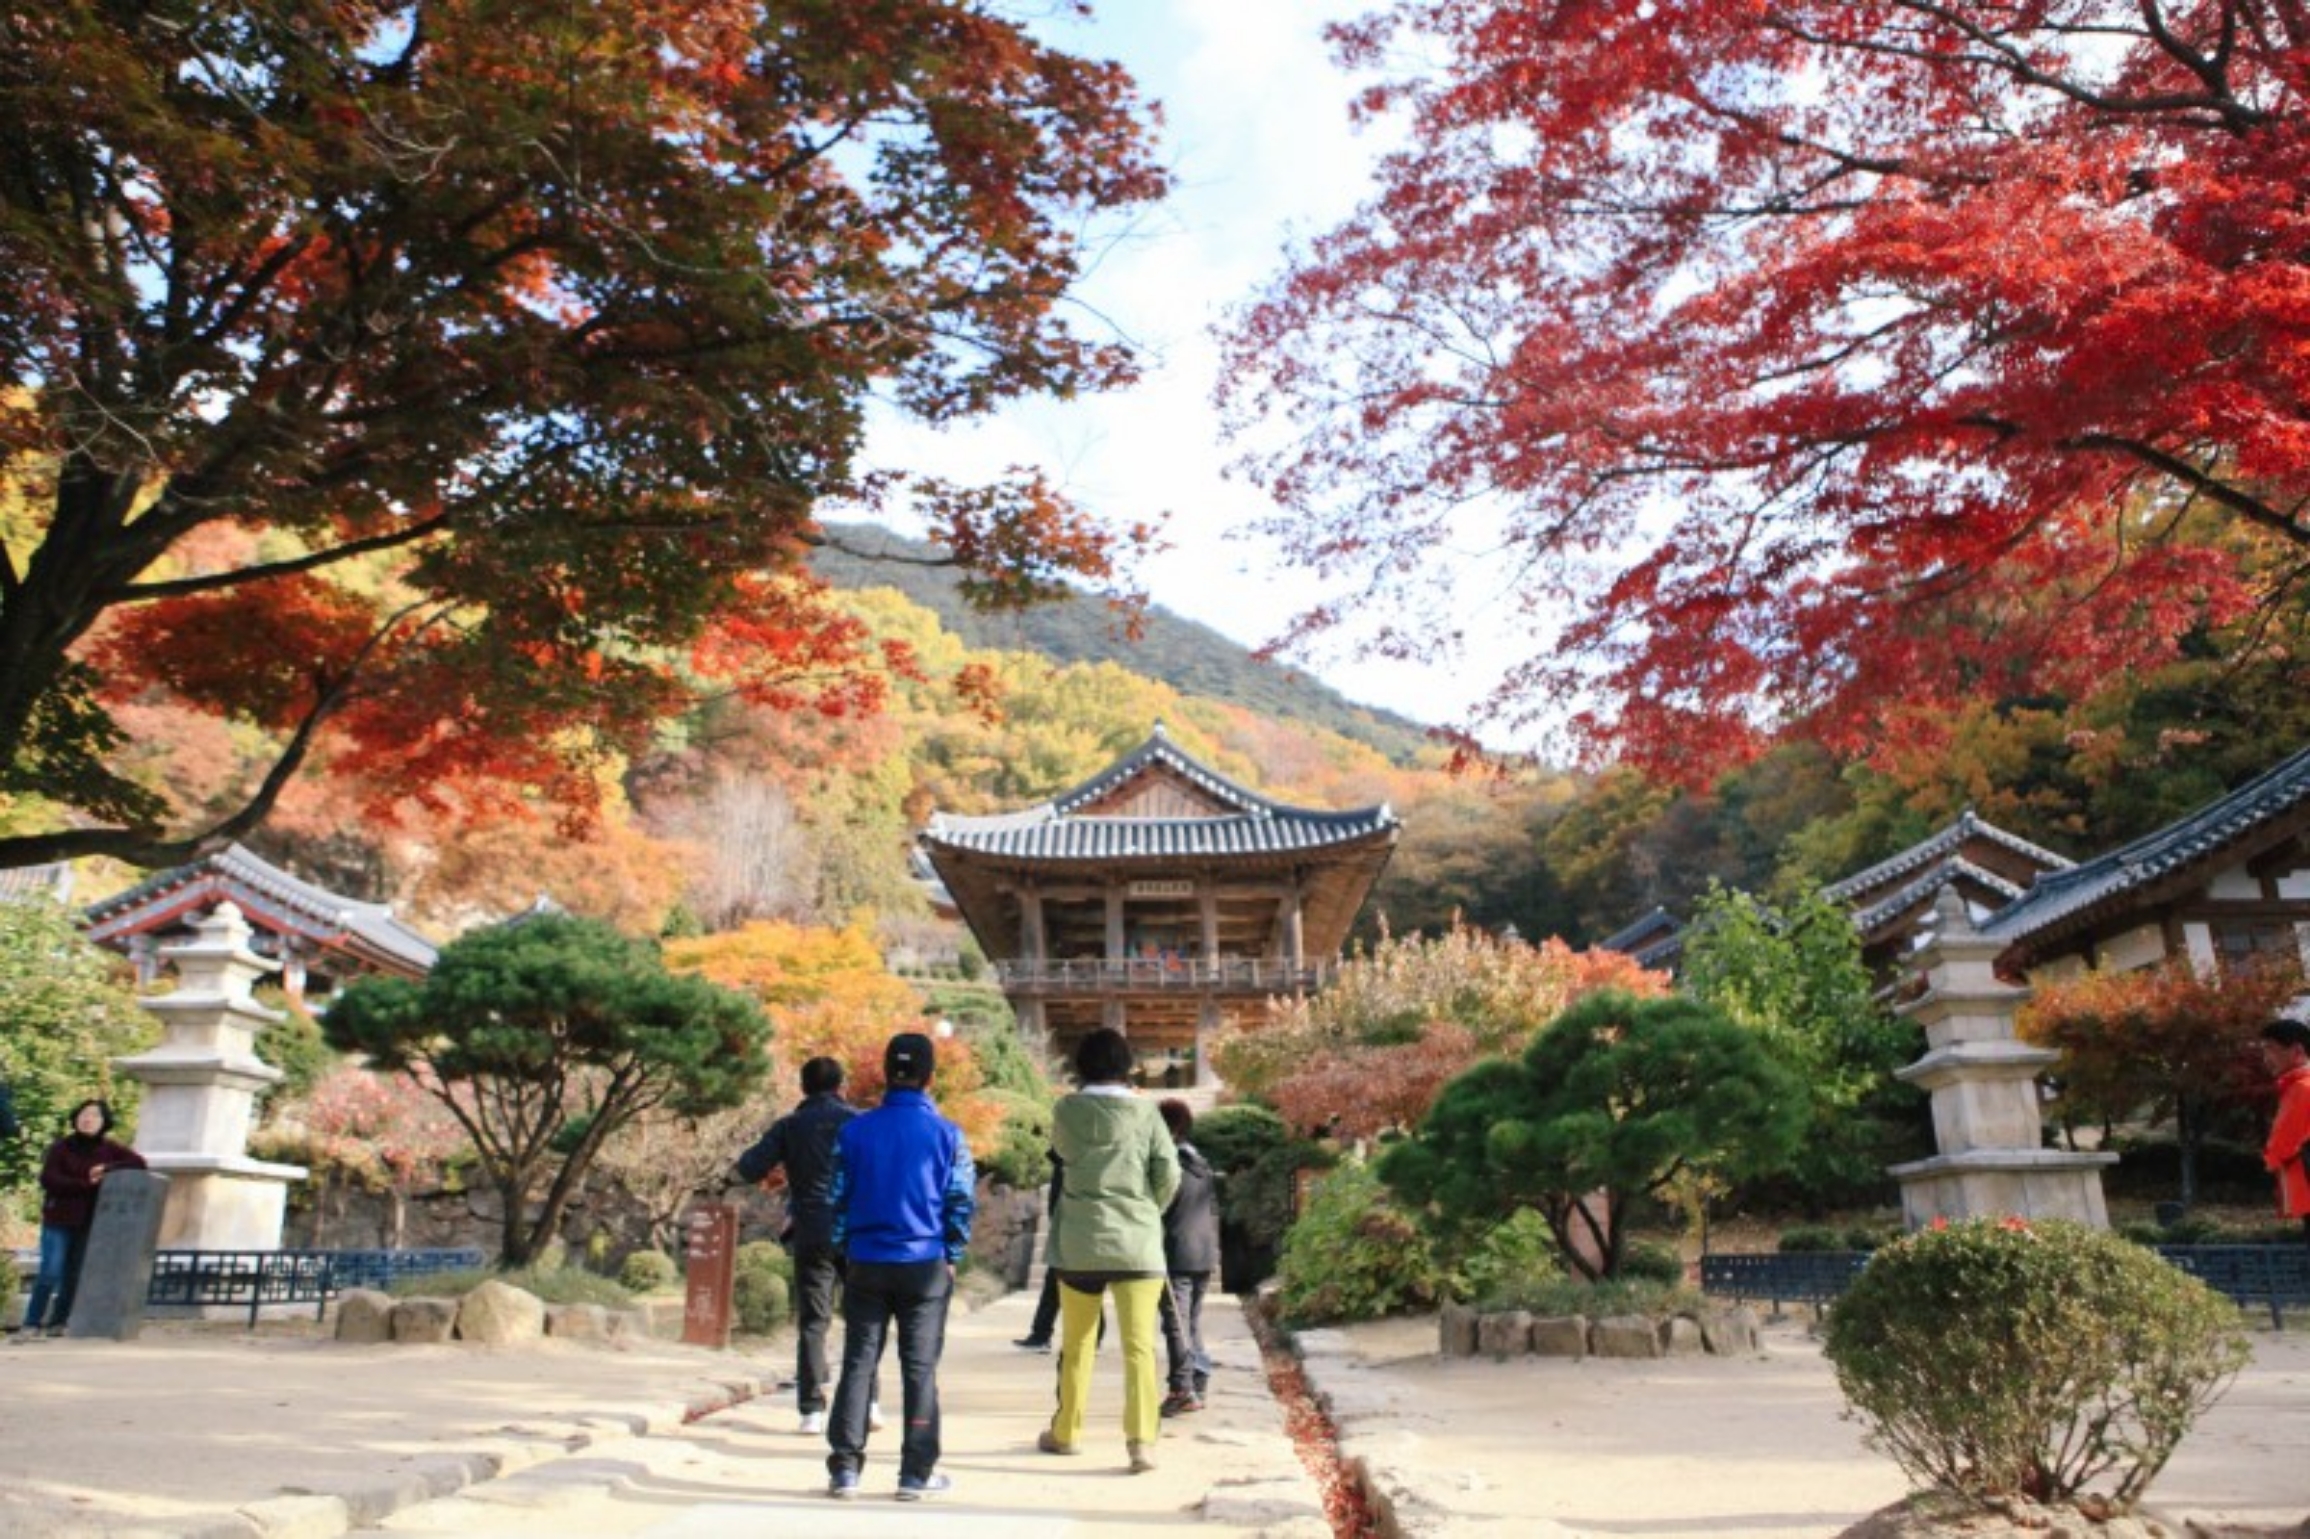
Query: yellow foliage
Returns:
{"type": "Point", "coordinates": [828, 994]}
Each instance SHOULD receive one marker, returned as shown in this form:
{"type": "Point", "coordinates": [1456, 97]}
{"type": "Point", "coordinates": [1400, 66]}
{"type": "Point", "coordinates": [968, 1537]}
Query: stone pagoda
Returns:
{"type": "Point", "coordinates": [1987, 1122]}
{"type": "Point", "coordinates": [201, 1085]}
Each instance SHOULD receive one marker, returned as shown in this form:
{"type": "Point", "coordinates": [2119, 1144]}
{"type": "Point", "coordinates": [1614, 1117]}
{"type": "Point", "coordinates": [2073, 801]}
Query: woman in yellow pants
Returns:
{"type": "Point", "coordinates": [1108, 1236]}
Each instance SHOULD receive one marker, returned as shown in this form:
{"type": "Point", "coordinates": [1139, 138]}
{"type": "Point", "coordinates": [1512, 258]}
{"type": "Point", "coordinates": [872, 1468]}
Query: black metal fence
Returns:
{"type": "Point", "coordinates": [256, 1278]}
{"type": "Point", "coordinates": [2271, 1277]}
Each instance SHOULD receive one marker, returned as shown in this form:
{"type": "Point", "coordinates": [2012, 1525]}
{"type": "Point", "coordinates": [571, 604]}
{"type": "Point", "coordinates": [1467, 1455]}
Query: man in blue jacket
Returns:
{"type": "Point", "coordinates": [903, 1199]}
{"type": "Point", "coordinates": [801, 1143]}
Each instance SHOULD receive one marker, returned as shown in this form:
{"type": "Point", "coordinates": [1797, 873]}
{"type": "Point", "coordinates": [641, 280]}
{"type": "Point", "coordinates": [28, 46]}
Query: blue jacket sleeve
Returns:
{"type": "Point", "coordinates": [960, 1200]}
{"type": "Point", "coordinates": [838, 1199]}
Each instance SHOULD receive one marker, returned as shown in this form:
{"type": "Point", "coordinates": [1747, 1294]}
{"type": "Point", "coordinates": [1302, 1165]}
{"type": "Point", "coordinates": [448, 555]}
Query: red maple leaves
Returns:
{"type": "Point", "coordinates": [1823, 360]}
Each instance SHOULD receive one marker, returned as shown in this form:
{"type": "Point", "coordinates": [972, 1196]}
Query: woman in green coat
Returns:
{"type": "Point", "coordinates": [1108, 1235]}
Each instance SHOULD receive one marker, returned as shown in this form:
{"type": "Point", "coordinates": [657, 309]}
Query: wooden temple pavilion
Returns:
{"type": "Point", "coordinates": [1161, 898]}
{"type": "Point", "coordinates": [318, 938]}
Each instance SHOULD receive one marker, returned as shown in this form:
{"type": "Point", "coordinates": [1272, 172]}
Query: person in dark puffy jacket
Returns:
{"type": "Point", "coordinates": [69, 1176]}
{"type": "Point", "coordinates": [1191, 1256]}
{"type": "Point", "coordinates": [800, 1146]}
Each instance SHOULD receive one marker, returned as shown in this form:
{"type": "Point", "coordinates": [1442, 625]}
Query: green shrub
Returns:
{"type": "Point", "coordinates": [1517, 1252]}
{"type": "Point", "coordinates": [1870, 1237]}
{"type": "Point", "coordinates": [647, 1271]}
{"type": "Point", "coordinates": [1806, 1238]}
{"type": "Point", "coordinates": [562, 1284]}
{"type": "Point", "coordinates": [765, 1287]}
{"type": "Point", "coordinates": [1652, 1261]}
{"type": "Point", "coordinates": [1022, 1157]}
{"type": "Point", "coordinates": [1354, 1255]}
{"type": "Point", "coordinates": [1258, 1161]}
{"type": "Point", "coordinates": [1998, 1358]}
{"type": "Point", "coordinates": [1613, 1296]}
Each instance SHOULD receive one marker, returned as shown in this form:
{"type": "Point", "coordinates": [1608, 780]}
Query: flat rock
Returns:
{"type": "Point", "coordinates": [577, 1322]}
{"type": "Point", "coordinates": [424, 1319]}
{"type": "Point", "coordinates": [364, 1315]}
{"type": "Point", "coordinates": [1560, 1336]}
{"type": "Point", "coordinates": [1456, 1331]}
{"type": "Point", "coordinates": [1504, 1335]}
{"type": "Point", "coordinates": [1734, 1333]}
{"type": "Point", "coordinates": [1624, 1336]}
{"type": "Point", "coordinates": [1682, 1336]}
{"type": "Point", "coordinates": [497, 1314]}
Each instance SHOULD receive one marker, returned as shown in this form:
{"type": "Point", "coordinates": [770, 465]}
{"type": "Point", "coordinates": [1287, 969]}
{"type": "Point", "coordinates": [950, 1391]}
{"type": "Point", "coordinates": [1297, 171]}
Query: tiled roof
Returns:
{"type": "Point", "coordinates": [50, 881]}
{"type": "Point", "coordinates": [324, 914]}
{"type": "Point", "coordinates": [1885, 910]}
{"type": "Point", "coordinates": [1657, 937]}
{"type": "Point", "coordinates": [2061, 895]}
{"type": "Point", "coordinates": [1054, 830]}
{"type": "Point", "coordinates": [1946, 842]}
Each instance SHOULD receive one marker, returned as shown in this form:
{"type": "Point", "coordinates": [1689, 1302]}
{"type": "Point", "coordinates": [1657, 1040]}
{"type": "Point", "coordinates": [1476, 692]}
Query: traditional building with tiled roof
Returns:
{"type": "Point", "coordinates": [1656, 941]}
{"type": "Point", "coordinates": [1891, 901]}
{"type": "Point", "coordinates": [318, 938]}
{"type": "Point", "coordinates": [1159, 897]}
{"type": "Point", "coordinates": [2228, 881]}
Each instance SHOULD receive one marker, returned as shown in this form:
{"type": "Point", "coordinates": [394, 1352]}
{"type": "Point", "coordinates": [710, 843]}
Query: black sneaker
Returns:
{"type": "Point", "coordinates": [842, 1485]}
{"type": "Point", "coordinates": [1181, 1402]}
{"type": "Point", "coordinates": [1033, 1343]}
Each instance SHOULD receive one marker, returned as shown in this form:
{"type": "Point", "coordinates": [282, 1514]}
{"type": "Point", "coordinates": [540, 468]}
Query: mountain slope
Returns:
{"type": "Point", "coordinates": [1189, 656]}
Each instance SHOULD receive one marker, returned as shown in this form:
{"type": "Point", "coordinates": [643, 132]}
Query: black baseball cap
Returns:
{"type": "Point", "coordinates": [909, 1059]}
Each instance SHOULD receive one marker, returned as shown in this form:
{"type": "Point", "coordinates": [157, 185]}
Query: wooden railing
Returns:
{"type": "Point", "coordinates": [1263, 975]}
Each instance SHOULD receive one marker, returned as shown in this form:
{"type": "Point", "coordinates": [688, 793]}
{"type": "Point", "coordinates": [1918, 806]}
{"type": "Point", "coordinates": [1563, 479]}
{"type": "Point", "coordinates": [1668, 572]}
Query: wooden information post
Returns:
{"type": "Point", "coordinates": [710, 1275]}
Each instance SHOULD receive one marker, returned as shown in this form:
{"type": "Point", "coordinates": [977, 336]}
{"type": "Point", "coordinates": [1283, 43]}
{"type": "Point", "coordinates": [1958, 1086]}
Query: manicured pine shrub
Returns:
{"type": "Point", "coordinates": [764, 1287]}
{"type": "Point", "coordinates": [647, 1271]}
{"type": "Point", "coordinates": [1998, 1358]}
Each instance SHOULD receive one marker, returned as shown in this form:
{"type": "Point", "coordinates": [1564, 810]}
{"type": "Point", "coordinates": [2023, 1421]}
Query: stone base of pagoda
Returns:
{"type": "Point", "coordinates": [233, 1203]}
{"type": "Point", "coordinates": [2029, 1184]}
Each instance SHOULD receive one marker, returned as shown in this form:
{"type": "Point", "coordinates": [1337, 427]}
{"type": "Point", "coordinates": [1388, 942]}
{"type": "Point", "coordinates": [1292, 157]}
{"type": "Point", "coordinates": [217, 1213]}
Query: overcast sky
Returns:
{"type": "Point", "coordinates": [1256, 134]}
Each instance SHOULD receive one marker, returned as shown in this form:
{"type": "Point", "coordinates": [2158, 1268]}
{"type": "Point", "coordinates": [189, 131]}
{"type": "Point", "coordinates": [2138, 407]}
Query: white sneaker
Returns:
{"type": "Point", "coordinates": [813, 1423]}
{"type": "Point", "coordinates": [873, 1417]}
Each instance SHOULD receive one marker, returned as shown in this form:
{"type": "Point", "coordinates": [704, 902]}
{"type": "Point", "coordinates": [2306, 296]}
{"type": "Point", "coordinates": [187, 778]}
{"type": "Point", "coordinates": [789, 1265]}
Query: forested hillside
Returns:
{"type": "Point", "coordinates": [1187, 655]}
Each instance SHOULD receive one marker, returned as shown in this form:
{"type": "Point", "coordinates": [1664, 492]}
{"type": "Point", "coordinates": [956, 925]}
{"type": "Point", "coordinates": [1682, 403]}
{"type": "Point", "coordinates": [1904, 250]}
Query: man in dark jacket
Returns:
{"type": "Point", "coordinates": [904, 1193]}
{"type": "Point", "coordinates": [1190, 1255]}
{"type": "Point", "coordinates": [801, 1145]}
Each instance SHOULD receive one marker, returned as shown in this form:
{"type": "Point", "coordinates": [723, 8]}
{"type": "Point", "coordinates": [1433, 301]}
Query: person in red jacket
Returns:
{"type": "Point", "coordinates": [76, 1163]}
{"type": "Point", "coordinates": [2286, 1054]}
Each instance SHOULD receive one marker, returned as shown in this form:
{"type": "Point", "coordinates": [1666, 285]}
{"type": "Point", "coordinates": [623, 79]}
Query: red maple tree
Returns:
{"type": "Point", "coordinates": [520, 343]}
{"type": "Point", "coordinates": [1818, 358]}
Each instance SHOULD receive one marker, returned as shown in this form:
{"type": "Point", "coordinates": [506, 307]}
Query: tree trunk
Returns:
{"type": "Point", "coordinates": [2189, 1134]}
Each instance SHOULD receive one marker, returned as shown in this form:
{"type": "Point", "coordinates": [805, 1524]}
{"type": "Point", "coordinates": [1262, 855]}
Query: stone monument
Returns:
{"type": "Point", "coordinates": [200, 1085]}
{"type": "Point", "coordinates": [116, 1274]}
{"type": "Point", "coordinates": [1987, 1122]}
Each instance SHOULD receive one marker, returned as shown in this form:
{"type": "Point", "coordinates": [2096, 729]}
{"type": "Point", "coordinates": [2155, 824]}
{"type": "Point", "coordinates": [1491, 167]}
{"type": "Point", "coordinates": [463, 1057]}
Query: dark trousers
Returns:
{"type": "Point", "coordinates": [1046, 1309]}
{"type": "Point", "coordinates": [58, 1283]}
{"type": "Point", "coordinates": [875, 1295]}
{"type": "Point", "coordinates": [817, 1277]}
{"type": "Point", "coordinates": [1183, 1331]}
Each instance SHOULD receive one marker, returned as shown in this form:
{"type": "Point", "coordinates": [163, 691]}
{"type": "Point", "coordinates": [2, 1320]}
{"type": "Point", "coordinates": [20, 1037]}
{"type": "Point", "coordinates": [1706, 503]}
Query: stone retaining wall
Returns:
{"type": "Point", "coordinates": [1463, 1332]}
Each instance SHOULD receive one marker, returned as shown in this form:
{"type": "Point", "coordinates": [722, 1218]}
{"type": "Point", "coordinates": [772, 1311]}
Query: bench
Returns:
{"type": "Point", "coordinates": [1815, 1277]}
{"type": "Point", "coordinates": [207, 1278]}
{"type": "Point", "coordinates": [2267, 1276]}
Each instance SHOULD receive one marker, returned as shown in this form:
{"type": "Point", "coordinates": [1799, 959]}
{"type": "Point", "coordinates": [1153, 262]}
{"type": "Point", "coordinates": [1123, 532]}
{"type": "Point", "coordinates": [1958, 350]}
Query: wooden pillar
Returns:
{"type": "Point", "coordinates": [1207, 1024]}
{"type": "Point", "coordinates": [1294, 928]}
{"type": "Point", "coordinates": [1207, 899]}
{"type": "Point", "coordinates": [1114, 921]}
{"type": "Point", "coordinates": [1033, 938]}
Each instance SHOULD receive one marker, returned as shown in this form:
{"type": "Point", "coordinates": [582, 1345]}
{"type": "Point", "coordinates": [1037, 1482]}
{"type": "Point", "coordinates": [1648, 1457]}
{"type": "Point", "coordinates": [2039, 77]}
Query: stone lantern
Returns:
{"type": "Point", "coordinates": [201, 1085]}
{"type": "Point", "coordinates": [1987, 1121]}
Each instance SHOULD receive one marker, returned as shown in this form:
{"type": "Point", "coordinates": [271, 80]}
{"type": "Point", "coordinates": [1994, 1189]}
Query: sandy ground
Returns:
{"type": "Point", "coordinates": [1733, 1449]}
